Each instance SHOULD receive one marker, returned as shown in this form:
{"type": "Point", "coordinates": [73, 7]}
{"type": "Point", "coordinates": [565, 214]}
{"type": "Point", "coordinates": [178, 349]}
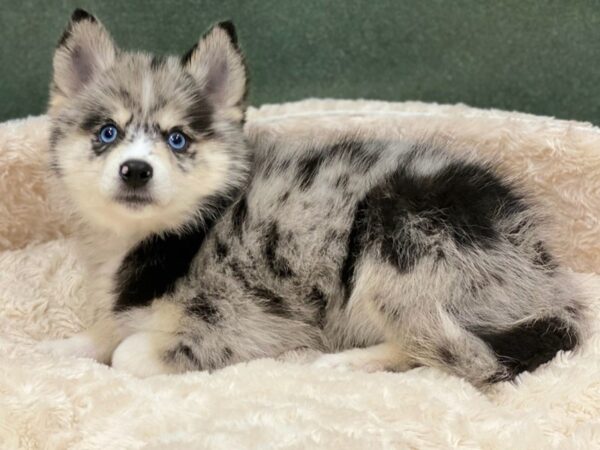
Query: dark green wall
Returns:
{"type": "Point", "coordinates": [538, 56]}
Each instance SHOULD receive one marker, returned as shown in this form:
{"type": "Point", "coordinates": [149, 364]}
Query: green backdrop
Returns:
{"type": "Point", "coordinates": [536, 56]}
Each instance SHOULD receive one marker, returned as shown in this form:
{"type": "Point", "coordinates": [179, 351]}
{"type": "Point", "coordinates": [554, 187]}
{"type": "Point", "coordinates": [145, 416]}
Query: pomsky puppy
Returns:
{"type": "Point", "coordinates": [209, 251]}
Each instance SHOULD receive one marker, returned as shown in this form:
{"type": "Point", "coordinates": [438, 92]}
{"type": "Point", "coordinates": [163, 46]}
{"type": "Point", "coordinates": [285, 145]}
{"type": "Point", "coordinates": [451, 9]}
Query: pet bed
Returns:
{"type": "Point", "coordinates": [53, 403]}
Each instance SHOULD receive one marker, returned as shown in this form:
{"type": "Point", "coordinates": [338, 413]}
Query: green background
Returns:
{"type": "Point", "coordinates": [537, 56]}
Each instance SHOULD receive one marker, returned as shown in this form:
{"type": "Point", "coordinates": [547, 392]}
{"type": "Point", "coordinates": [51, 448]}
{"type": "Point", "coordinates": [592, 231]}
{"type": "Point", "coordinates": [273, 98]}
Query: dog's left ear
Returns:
{"type": "Point", "coordinates": [217, 64]}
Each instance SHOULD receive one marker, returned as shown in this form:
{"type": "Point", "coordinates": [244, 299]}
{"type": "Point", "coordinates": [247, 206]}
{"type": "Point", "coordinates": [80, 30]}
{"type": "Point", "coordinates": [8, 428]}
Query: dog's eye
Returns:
{"type": "Point", "coordinates": [108, 134]}
{"type": "Point", "coordinates": [177, 141]}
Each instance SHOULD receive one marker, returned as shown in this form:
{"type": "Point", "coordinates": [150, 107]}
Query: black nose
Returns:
{"type": "Point", "coordinates": [135, 173]}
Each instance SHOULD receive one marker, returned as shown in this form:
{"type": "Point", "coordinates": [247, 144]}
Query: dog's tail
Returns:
{"type": "Point", "coordinates": [528, 345]}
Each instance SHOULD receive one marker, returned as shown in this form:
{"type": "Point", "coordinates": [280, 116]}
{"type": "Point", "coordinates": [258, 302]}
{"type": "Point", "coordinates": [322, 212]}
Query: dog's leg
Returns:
{"type": "Point", "coordinates": [438, 341]}
{"type": "Point", "coordinates": [141, 354]}
{"type": "Point", "coordinates": [149, 353]}
{"type": "Point", "coordinates": [162, 339]}
{"type": "Point", "coordinates": [97, 342]}
{"type": "Point", "coordinates": [387, 356]}
{"type": "Point", "coordinates": [411, 315]}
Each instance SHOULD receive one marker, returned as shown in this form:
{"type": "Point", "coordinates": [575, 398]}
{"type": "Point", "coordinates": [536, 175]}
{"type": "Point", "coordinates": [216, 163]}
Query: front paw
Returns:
{"type": "Point", "coordinates": [350, 361]}
{"type": "Point", "coordinates": [78, 346]}
{"type": "Point", "coordinates": [300, 356]}
{"type": "Point", "coordinates": [140, 355]}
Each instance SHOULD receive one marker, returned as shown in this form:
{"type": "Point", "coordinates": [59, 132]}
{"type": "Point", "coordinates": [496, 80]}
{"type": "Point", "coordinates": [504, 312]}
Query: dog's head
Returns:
{"type": "Point", "coordinates": [141, 141]}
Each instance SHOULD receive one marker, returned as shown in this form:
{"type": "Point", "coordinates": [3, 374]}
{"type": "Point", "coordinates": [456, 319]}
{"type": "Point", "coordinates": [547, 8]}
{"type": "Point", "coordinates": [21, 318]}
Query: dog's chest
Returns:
{"type": "Point", "coordinates": [102, 260]}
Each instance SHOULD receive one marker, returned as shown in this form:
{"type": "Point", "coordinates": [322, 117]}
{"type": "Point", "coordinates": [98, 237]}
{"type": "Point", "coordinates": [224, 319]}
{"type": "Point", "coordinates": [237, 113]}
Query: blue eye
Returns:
{"type": "Point", "coordinates": [177, 141]}
{"type": "Point", "coordinates": [108, 134]}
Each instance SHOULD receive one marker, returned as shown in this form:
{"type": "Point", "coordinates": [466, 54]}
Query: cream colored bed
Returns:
{"type": "Point", "coordinates": [51, 403]}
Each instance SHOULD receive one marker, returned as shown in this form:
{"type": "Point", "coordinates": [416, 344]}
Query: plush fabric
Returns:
{"type": "Point", "coordinates": [52, 403]}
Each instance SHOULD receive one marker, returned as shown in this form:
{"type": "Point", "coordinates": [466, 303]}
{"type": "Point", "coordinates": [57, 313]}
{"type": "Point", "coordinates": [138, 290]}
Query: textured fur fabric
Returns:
{"type": "Point", "coordinates": [48, 402]}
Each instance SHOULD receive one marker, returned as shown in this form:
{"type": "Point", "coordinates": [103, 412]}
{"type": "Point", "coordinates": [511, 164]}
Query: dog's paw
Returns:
{"type": "Point", "coordinates": [300, 356]}
{"type": "Point", "coordinates": [351, 361]}
{"type": "Point", "coordinates": [139, 355]}
{"type": "Point", "coordinates": [79, 346]}
{"type": "Point", "coordinates": [378, 358]}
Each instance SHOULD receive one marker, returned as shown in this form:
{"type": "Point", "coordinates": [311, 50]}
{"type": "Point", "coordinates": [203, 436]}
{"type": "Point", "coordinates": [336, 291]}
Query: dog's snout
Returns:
{"type": "Point", "coordinates": [135, 173]}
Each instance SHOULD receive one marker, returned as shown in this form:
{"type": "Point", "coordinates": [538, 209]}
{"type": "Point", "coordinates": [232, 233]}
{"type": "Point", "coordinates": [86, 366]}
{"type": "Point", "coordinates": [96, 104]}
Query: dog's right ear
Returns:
{"type": "Point", "coordinates": [84, 51]}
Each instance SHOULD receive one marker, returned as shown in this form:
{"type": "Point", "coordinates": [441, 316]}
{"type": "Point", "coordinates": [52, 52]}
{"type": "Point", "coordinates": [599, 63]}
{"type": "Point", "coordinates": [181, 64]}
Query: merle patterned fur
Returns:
{"type": "Point", "coordinates": [328, 244]}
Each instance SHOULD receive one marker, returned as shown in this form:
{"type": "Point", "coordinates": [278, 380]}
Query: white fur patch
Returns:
{"type": "Point", "coordinates": [378, 358]}
{"type": "Point", "coordinates": [139, 354]}
{"type": "Point", "coordinates": [80, 345]}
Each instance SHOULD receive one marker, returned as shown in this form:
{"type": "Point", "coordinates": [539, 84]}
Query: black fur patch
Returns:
{"type": "Point", "coordinates": [575, 311]}
{"type": "Point", "coordinates": [77, 16]}
{"type": "Point", "coordinates": [284, 197]}
{"type": "Point", "coordinates": [56, 134]}
{"type": "Point", "coordinates": [401, 216]}
{"type": "Point", "coordinates": [238, 274]}
{"type": "Point", "coordinates": [199, 115]}
{"type": "Point", "coordinates": [152, 268]}
{"type": "Point", "coordinates": [157, 62]}
{"type": "Point", "coordinates": [64, 37]}
{"type": "Point", "coordinates": [221, 249]}
{"type": "Point", "coordinates": [309, 167]}
{"type": "Point", "coordinates": [274, 166]}
{"type": "Point", "coordinates": [439, 255]}
{"type": "Point", "coordinates": [477, 284]}
{"type": "Point", "coordinates": [185, 59]}
{"type": "Point", "coordinates": [227, 354]}
{"type": "Point", "coordinates": [94, 120]}
{"type": "Point", "coordinates": [447, 356]}
{"type": "Point", "coordinates": [80, 14]}
{"type": "Point", "coordinates": [342, 182]}
{"type": "Point", "coordinates": [270, 301]}
{"type": "Point", "coordinates": [527, 346]}
{"type": "Point", "coordinates": [318, 299]}
{"type": "Point", "coordinates": [351, 151]}
{"type": "Point", "coordinates": [360, 158]}
{"type": "Point", "coordinates": [543, 258]}
{"type": "Point", "coordinates": [186, 351]}
{"type": "Point", "coordinates": [239, 214]}
{"type": "Point", "coordinates": [462, 200]}
{"type": "Point", "coordinates": [278, 265]}
{"type": "Point", "coordinates": [204, 309]}
{"type": "Point", "coordinates": [353, 250]}
{"type": "Point", "coordinates": [229, 28]}
{"type": "Point", "coordinates": [499, 279]}
{"type": "Point", "coordinates": [55, 167]}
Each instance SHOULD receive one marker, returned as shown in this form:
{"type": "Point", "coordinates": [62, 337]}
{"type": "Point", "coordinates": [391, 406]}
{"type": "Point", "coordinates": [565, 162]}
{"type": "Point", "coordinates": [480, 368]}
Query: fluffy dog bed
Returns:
{"type": "Point", "coordinates": [47, 402]}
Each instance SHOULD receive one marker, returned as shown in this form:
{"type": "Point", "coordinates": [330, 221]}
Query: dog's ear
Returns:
{"type": "Point", "coordinates": [84, 51]}
{"type": "Point", "coordinates": [217, 64]}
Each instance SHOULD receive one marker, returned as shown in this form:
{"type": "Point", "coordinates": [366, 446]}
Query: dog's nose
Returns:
{"type": "Point", "coordinates": [135, 173]}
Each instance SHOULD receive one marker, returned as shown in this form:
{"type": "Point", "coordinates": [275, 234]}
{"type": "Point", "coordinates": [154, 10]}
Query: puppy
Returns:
{"type": "Point", "coordinates": [208, 251]}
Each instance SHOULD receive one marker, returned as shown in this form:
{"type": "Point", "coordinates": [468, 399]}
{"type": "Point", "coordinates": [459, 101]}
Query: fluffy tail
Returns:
{"type": "Point", "coordinates": [529, 345]}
